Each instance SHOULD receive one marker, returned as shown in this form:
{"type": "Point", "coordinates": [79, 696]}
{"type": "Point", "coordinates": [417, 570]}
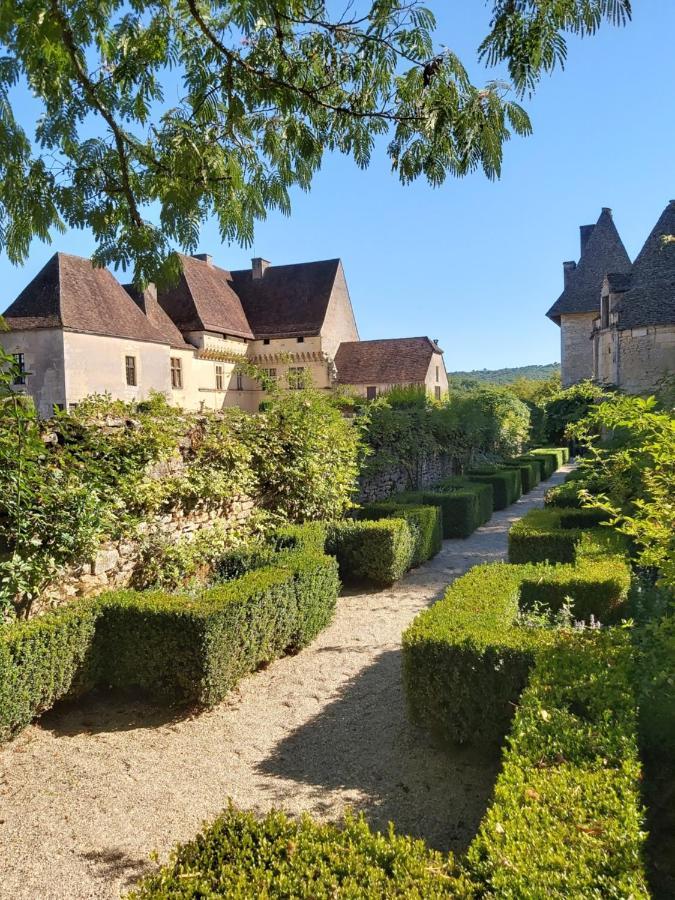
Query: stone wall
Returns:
{"type": "Point", "coordinates": [393, 480]}
{"type": "Point", "coordinates": [576, 347]}
{"type": "Point", "coordinates": [114, 563]}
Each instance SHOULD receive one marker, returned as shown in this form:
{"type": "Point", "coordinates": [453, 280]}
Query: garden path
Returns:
{"type": "Point", "coordinates": [92, 788]}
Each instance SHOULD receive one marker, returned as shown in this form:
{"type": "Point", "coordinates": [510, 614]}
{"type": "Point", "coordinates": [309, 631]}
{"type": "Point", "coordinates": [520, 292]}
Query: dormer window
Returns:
{"type": "Point", "coordinates": [301, 340]}
{"type": "Point", "coordinates": [266, 340]}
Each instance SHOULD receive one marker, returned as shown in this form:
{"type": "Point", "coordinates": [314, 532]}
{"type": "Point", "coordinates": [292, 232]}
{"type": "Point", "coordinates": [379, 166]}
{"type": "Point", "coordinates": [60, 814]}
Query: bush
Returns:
{"type": "Point", "coordinates": [41, 661]}
{"type": "Point", "coordinates": [539, 462]}
{"type": "Point", "coordinates": [484, 493]}
{"type": "Point", "coordinates": [567, 820]}
{"type": "Point", "coordinates": [506, 484]}
{"type": "Point", "coordinates": [655, 686]}
{"type": "Point", "coordinates": [240, 855]}
{"type": "Point", "coordinates": [464, 662]}
{"type": "Point", "coordinates": [563, 495]}
{"type": "Point", "coordinates": [309, 536]}
{"type": "Point", "coordinates": [554, 457]}
{"type": "Point", "coordinates": [559, 535]}
{"type": "Point", "coordinates": [175, 648]}
{"type": "Point", "coordinates": [377, 552]}
{"type": "Point", "coordinates": [529, 472]}
{"type": "Point", "coordinates": [460, 512]}
{"type": "Point", "coordinates": [425, 523]}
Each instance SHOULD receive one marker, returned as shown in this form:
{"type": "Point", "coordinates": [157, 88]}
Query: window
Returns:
{"type": "Point", "coordinates": [176, 373]}
{"type": "Point", "coordinates": [240, 381]}
{"type": "Point", "coordinates": [604, 312]}
{"type": "Point", "coordinates": [270, 373]}
{"type": "Point", "coordinates": [437, 392]}
{"type": "Point", "coordinates": [266, 340]}
{"type": "Point", "coordinates": [130, 366]}
{"type": "Point", "coordinates": [72, 407]}
{"type": "Point", "coordinates": [20, 360]}
{"type": "Point", "coordinates": [219, 378]}
{"type": "Point", "coordinates": [371, 393]}
{"type": "Point", "coordinates": [296, 377]}
{"type": "Point", "coordinates": [301, 340]}
{"type": "Point", "coordinates": [438, 376]}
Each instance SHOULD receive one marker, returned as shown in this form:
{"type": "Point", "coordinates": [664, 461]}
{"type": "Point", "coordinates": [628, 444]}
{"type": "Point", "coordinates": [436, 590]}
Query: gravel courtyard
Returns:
{"type": "Point", "coordinates": [88, 792]}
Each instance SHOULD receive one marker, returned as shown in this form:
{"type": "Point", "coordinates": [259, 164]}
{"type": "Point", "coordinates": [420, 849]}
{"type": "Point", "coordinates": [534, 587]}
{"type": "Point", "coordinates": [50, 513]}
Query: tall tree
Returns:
{"type": "Point", "coordinates": [265, 88]}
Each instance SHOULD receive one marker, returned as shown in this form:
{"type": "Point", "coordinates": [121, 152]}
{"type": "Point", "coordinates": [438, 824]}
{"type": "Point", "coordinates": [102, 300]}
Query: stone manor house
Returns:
{"type": "Point", "coordinates": [76, 331]}
{"type": "Point", "coordinates": [617, 318]}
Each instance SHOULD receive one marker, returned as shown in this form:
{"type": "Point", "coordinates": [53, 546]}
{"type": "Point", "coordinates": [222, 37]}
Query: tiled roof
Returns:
{"type": "Point", "coordinates": [288, 301]}
{"type": "Point", "coordinates": [603, 252]}
{"type": "Point", "coordinates": [649, 298]}
{"type": "Point", "coordinates": [69, 292]}
{"type": "Point", "coordinates": [388, 361]}
{"type": "Point", "coordinates": [147, 302]}
{"type": "Point", "coordinates": [203, 300]}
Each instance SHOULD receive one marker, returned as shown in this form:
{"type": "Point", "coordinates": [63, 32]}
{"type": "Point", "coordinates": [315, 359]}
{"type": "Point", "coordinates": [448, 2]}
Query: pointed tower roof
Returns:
{"type": "Point", "coordinates": [70, 292]}
{"type": "Point", "coordinates": [602, 251]}
{"type": "Point", "coordinates": [649, 298]}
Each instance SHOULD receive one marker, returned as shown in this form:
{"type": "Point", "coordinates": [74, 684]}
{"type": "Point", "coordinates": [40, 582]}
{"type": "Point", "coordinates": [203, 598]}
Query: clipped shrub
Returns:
{"type": "Point", "coordinates": [41, 661]}
{"type": "Point", "coordinates": [506, 483]}
{"type": "Point", "coordinates": [560, 535]}
{"type": "Point", "coordinates": [464, 662]}
{"type": "Point", "coordinates": [655, 686]}
{"type": "Point", "coordinates": [567, 819]}
{"type": "Point", "coordinates": [308, 536]}
{"type": "Point", "coordinates": [194, 649]}
{"type": "Point", "coordinates": [378, 552]}
{"type": "Point", "coordinates": [240, 855]}
{"type": "Point", "coordinates": [564, 495]}
{"type": "Point", "coordinates": [460, 513]}
{"type": "Point", "coordinates": [529, 472]}
{"type": "Point", "coordinates": [554, 457]}
{"type": "Point", "coordinates": [484, 494]}
{"type": "Point", "coordinates": [539, 462]}
{"type": "Point", "coordinates": [425, 523]}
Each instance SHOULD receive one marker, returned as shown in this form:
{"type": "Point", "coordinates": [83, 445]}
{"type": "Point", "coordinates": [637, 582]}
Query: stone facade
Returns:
{"type": "Point", "coordinates": [576, 347]}
{"type": "Point", "coordinates": [635, 359]}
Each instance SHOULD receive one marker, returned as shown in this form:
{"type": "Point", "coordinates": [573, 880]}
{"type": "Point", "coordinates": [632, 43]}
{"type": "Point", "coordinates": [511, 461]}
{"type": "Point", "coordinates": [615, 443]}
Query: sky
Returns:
{"type": "Point", "coordinates": [474, 263]}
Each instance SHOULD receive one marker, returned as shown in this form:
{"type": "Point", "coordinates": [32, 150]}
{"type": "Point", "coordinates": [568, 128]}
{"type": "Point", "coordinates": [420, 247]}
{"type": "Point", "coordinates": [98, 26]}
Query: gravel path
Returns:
{"type": "Point", "coordinates": [88, 792]}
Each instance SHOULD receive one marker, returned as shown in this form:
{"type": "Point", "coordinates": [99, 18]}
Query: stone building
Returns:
{"type": "Point", "coordinates": [372, 367]}
{"type": "Point", "coordinates": [634, 331]}
{"type": "Point", "coordinates": [575, 310]}
{"type": "Point", "coordinates": [76, 331]}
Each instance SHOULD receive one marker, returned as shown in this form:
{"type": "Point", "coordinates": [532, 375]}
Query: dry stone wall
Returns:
{"type": "Point", "coordinates": [382, 484]}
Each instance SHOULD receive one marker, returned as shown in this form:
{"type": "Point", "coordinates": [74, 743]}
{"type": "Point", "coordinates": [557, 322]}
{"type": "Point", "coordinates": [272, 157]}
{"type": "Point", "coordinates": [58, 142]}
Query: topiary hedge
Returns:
{"type": "Point", "coordinates": [377, 552]}
{"type": "Point", "coordinates": [425, 522]}
{"type": "Point", "coordinates": [460, 510]}
{"type": "Point", "coordinates": [554, 457]}
{"type": "Point", "coordinates": [560, 535]}
{"type": "Point", "coordinates": [484, 493]}
{"type": "Point", "coordinates": [506, 483]}
{"type": "Point", "coordinates": [529, 472]}
{"type": "Point", "coordinates": [241, 856]}
{"type": "Point", "coordinates": [175, 648]}
{"type": "Point", "coordinates": [539, 463]}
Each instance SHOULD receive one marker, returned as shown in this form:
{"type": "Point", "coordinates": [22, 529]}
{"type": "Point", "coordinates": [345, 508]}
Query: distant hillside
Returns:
{"type": "Point", "coordinates": [505, 376]}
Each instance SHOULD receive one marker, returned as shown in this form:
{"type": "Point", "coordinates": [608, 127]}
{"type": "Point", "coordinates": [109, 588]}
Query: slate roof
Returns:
{"type": "Point", "coordinates": [203, 300]}
{"type": "Point", "coordinates": [288, 301]}
{"type": "Point", "coordinates": [69, 292]}
{"type": "Point", "coordinates": [649, 297]}
{"type": "Point", "coordinates": [148, 304]}
{"type": "Point", "coordinates": [387, 361]}
{"type": "Point", "coordinates": [603, 252]}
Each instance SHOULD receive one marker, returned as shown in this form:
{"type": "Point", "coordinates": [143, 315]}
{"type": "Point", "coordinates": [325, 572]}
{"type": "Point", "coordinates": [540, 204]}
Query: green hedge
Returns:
{"type": "Point", "coordinates": [553, 457]}
{"type": "Point", "coordinates": [484, 493]}
{"type": "Point", "coordinates": [377, 552]}
{"type": "Point", "coordinates": [567, 819]}
{"type": "Point", "coordinates": [460, 510]}
{"type": "Point", "coordinates": [241, 856]}
{"type": "Point", "coordinates": [529, 472]}
{"type": "Point", "coordinates": [558, 535]}
{"type": "Point", "coordinates": [465, 665]}
{"type": "Point", "coordinates": [424, 520]}
{"type": "Point", "coordinates": [506, 483]}
{"type": "Point", "coordinates": [175, 648]}
{"type": "Point", "coordinates": [42, 661]}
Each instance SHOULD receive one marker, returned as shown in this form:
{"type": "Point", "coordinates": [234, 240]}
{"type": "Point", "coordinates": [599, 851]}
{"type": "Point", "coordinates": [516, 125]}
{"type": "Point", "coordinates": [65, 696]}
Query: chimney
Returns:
{"type": "Point", "coordinates": [204, 257]}
{"type": "Point", "coordinates": [585, 231]}
{"type": "Point", "coordinates": [258, 266]}
{"type": "Point", "coordinates": [568, 269]}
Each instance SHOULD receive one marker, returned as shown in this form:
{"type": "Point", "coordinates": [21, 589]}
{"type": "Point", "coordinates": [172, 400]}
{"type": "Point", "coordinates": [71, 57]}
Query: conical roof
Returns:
{"type": "Point", "coordinates": [603, 251]}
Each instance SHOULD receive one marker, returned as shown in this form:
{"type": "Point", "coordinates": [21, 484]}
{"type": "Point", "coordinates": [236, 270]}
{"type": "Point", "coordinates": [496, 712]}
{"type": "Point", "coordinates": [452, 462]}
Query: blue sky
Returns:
{"type": "Point", "coordinates": [475, 263]}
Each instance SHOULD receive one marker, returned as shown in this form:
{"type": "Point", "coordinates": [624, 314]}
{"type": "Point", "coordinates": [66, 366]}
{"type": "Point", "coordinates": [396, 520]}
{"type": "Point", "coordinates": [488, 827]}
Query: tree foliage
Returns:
{"type": "Point", "coordinates": [153, 115]}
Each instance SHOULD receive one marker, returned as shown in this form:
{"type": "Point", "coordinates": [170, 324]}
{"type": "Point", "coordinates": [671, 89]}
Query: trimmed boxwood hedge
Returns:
{"type": "Point", "coordinates": [240, 856]}
{"type": "Point", "coordinates": [506, 483]}
{"type": "Point", "coordinates": [175, 648]}
{"type": "Point", "coordinates": [539, 463]}
{"type": "Point", "coordinates": [553, 457]}
{"type": "Point", "coordinates": [460, 513]}
{"type": "Point", "coordinates": [529, 472]}
{"type": "Point", "coordinates": [377, 552]}
{"type": "Point", "coordinates": [424, 520]}
{"type": "Point", "coordinates": [559, 535]}
{"type": "Point", "coordinates": [484, 493]}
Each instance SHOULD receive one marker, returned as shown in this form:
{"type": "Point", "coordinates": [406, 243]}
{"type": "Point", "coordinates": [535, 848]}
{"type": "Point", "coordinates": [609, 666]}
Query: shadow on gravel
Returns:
{"type": "Point", "coordinates": [363, 741]}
